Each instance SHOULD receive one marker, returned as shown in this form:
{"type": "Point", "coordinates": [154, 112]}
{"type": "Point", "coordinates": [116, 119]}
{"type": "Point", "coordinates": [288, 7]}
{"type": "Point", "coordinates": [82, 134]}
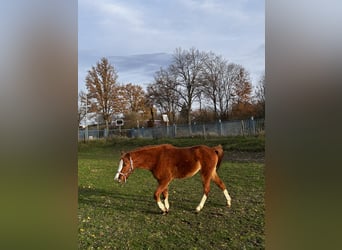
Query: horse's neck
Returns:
{"type": "Point", "coordinates": [139, 160]}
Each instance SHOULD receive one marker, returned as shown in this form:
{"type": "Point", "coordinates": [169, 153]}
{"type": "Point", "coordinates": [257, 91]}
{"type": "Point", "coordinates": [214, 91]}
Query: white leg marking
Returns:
{"type": "Point", "coordinates": [167, 205]}
{"type": "Point", "coordinates": [200, 206]}
{"type": "Point", "coordinates": [161, 206]}
{"type": "Point", "coordinates": [225, 192]}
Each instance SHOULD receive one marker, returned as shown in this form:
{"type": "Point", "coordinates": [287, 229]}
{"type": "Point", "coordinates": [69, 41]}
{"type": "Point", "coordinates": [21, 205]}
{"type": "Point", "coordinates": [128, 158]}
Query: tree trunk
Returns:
{"type": "Point", "coordinates": [107, 128]}
{"type": "Point", "coordinates": [189, 120]}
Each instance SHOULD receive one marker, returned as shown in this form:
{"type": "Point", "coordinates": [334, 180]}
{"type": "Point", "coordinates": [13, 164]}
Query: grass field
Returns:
{"type": "Point", "coordinates": [116, 216]}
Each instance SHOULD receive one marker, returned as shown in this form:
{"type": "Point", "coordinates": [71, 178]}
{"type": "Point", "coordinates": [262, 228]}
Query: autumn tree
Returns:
{"type": "Point", "coordinates": [243, 86]}
{"type": "Point", "coordinates": [121, 103]}
{"type": "Point", "coordinates": [133, 102]}
{"type": "Point", "coordinates": [242, 107]}
{"type": "Point", "coordinates": [187, 66]}
{"type": "Point", "coordinates": [134, 96]}
{"type": "Point", "coordinates": [101, 84]}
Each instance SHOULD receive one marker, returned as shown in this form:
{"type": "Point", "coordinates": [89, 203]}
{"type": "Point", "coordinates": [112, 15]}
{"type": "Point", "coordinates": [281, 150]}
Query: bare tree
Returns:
{"type": "Point", "coordinates": [218, 83]}
{"type": "Point", "coordinates": [225, 85]}
{"type": "Point", "coordinates": [187, 66]}
{"type": "Point", "coordinates": [163, 93]}
{"type": "Point", "coordinates": [212, 81]}
{"type": "Point", "coordinates": [260, 95]}
{"type": "Point", "coordinates": [101, 85]}
{"type": "Point", "coordinates": [226, 92]}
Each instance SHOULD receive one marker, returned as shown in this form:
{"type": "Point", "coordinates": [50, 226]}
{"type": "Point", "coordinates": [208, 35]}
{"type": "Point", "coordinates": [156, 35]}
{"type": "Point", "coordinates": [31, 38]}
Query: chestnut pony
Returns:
{"type": "Point", "coordinates": [167, 162]}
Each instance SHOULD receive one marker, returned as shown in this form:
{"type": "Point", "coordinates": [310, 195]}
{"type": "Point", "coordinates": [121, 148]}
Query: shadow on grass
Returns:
{"type": "Point", "coordinates": [132, 202]}
{"type": "Point", "coordinates": [125, 202]}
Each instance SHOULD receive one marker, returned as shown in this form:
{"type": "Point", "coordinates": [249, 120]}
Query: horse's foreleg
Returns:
{"type": "Point", "coordinates": [221, 185]}
{"type": "Point", "coordinates": [206, 189]}
{"type": "Point", "coordinates": [159, 202]}
{"type": "Point", "coordinates": [200, 206]}
{"type": "Point", "coordinates": [160, 189]}
{"type": "Point", "coordinates": [166, 199]}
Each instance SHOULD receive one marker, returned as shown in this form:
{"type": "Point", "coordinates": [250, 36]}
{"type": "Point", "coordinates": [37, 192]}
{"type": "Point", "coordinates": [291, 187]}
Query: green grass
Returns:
{"type": "Point", "coordinates": [236, 143]}
{"type": "Point", "coordinates": [115, 216]}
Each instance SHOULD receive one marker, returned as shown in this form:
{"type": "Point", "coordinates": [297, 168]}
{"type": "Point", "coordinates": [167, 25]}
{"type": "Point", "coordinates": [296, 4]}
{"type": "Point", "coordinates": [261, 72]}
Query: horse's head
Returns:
{"type": "Point", "coordinates": [125, 168]}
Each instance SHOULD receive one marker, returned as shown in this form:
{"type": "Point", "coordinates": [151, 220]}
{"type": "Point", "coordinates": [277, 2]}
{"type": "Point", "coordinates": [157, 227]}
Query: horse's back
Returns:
{"type": "Point", "coordinates": [197, 152]}
{"type": "Point", "coordinates": [207, 158]}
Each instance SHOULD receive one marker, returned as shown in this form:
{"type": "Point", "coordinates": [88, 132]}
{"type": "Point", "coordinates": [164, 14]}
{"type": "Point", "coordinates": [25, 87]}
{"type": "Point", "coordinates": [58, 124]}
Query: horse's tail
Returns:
{"type": "Point", "coordinates": [219, 151]}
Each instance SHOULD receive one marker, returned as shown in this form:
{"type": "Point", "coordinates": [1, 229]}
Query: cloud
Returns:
{"type": "Point", "coordinates": [234, 10]}
{"type": "Point", "coordinates": [136, 69]}
{"type": "Point", "coordinates": [112, 12]}
{"type": "Point", "coordinates": [233, 29]}
{"type": "Point", "coordinates": [115, 12]}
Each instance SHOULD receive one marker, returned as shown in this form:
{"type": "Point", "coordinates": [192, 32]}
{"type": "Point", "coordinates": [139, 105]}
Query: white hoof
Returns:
{"type": "Point", "coordinates": [161, 206]}
{"type": "Point", "coordinates": [167, 205]}
{"type": "Point", "coordinates": [229, 203]}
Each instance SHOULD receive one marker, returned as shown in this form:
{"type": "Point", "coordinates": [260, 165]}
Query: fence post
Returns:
{"type": "Point", "coordinates": [253, 126]}
{"type": "Point", "coordinates": [86, 134]}
{"type": "Point", "coordinates": [167, 130]}
{"type": "Point", "coordinates": [242, 128]}
{"type": "Point", "coordinates": [204, 133]}
{"type": "Point", "coordinates": [220, 127]}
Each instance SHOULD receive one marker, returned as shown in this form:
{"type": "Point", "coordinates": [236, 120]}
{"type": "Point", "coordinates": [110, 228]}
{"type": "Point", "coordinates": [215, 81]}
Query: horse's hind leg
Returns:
{"type": "Point", "coordinates": [221, 185]}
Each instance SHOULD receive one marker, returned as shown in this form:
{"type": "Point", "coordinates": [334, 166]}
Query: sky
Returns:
{"type": "Point", "coordinates": [139, 37]}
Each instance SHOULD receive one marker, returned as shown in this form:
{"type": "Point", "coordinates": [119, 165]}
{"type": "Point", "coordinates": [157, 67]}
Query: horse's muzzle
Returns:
{"type": "Point", "coordinates": [118, 179]}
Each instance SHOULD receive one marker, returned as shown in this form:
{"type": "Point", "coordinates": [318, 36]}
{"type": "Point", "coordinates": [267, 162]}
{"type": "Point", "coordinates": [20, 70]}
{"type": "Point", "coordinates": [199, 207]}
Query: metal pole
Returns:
{"type": "Point", "coordinates": [86, 117]}
{"type": "Point", "coordinates": [98, 128]}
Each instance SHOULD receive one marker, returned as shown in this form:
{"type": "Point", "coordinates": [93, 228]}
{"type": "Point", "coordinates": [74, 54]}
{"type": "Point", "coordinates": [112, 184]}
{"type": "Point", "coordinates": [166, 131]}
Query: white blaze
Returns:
{"type": "Point", "coordinates": [119, 170]}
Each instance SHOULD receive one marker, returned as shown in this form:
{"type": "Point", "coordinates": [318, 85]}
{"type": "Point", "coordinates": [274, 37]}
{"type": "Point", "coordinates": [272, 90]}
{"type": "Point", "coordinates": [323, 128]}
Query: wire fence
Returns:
{"type": "Point", "coordinates": [216, 129]}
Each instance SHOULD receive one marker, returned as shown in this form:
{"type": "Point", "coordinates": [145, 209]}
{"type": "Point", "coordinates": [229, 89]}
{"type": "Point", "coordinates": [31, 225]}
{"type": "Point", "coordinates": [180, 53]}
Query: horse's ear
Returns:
{"type": "Point", "coordinates": [122, 152]}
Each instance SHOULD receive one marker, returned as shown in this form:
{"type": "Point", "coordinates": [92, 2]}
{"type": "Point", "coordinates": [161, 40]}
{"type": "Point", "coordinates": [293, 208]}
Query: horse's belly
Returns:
{"type": "Point", "coordinates": [186, 171]}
